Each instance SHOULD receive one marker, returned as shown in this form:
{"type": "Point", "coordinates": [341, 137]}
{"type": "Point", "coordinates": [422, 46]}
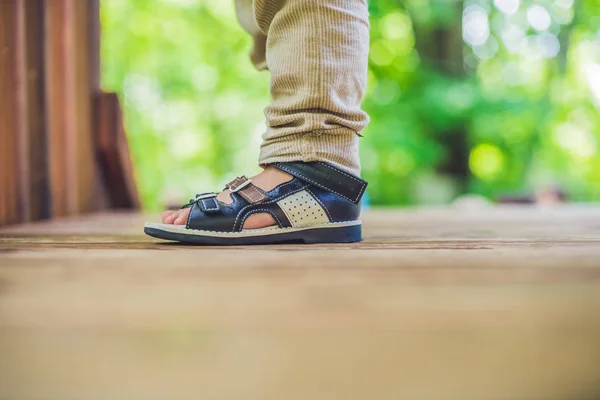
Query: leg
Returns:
{"type": "Point", "coordinates": [245, 14]}
{"type": "Point", "coordinates": [316, 52]}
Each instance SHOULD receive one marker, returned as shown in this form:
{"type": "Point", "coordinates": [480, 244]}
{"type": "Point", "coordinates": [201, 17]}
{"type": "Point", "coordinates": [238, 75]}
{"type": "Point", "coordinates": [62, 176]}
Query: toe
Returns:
{"type": "Point", "coordinates": [166, 214]}
{"type": "Point", "coordinates": [182, 217]}
{"type": "Point", "coordinates": [169, 219]}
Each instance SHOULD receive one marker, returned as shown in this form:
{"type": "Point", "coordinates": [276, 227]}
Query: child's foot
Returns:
{"type": "Point", "coordinates": [266, 180]}
{"type": "Point", "coordinates": [315, 203]}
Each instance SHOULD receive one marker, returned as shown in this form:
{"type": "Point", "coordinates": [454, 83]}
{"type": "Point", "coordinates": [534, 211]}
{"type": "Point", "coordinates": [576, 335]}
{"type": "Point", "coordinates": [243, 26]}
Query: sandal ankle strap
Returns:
{"type": "Point", "coordinates": [326, 177]}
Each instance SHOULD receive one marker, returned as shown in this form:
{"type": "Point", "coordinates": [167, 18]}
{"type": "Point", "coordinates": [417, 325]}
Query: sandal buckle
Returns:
{"type": "Point", "coordinates": [234, 186]}
{"type": "Point", "coordinates": [205, 196]}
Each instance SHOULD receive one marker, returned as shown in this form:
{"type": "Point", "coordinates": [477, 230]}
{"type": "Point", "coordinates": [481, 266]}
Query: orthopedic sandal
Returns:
{"type": "Point", "coordinates": [319, 205]}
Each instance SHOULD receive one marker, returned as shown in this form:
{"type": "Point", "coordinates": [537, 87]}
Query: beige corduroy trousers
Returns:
{"type": "Point", "coordinates": [316, 52]}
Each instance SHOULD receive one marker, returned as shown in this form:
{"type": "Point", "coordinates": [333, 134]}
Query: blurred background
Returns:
{"type": "Point", "coordinates": [488, 97]}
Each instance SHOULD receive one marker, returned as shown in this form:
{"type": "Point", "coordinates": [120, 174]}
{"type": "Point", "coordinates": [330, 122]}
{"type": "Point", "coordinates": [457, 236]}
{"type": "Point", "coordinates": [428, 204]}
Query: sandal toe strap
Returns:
{"type": "Point", "coordinates": [202, 197]}
{"type": "Point", "coordinates": [208, 214]}
{"type": "Point", "coordinates": [209, 204]}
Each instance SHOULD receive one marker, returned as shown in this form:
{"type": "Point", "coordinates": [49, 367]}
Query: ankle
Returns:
{"type": "Point", "coordinates": [270, 178]}
{"type": "Point", "coordinates": [266, 180]}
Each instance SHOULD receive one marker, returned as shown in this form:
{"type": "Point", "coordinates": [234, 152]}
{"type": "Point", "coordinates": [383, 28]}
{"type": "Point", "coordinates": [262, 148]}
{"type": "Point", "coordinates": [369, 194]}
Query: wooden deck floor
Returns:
{"type": "Point", "coordinates": [434, 304]}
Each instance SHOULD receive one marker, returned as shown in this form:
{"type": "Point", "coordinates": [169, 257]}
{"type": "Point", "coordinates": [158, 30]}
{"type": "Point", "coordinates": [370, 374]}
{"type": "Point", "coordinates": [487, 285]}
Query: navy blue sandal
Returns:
{"type": "Point", "coordinates": [321, 204]}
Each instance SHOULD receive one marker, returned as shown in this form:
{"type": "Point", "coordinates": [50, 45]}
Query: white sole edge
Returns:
{"type": "Point", "coordinates": [181, 229]}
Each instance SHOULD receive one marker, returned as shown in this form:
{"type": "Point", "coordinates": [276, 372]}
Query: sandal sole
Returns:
{"type": "Point", "coordinates": [333, 232]}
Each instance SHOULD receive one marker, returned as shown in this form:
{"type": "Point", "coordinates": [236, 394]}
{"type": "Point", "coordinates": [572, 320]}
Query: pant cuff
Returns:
{"type": "Point", "coordinates": [338, 147]}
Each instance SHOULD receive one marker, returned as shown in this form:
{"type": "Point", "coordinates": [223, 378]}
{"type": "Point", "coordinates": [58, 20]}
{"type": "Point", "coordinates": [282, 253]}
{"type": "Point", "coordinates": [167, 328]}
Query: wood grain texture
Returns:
{"type": "Point", "coordinates": [23, 174]}
{"type": "Point", "coordinates": [35, 120]}
{"type": "Point", "coordinates": [49, 77]}
{"type": "Point", "coordinates": [500, 303]}
{"type": "Point", "coordinates": [61, 155]}
{"type": "Point", "coordinates": [113, 153]}
{"type": "Point", "coordinates": [69, 105]}
{"type": "Point", "coordinates": [94, 30]}
{"type": "Point", "coordinates": [10, 112]}
{"type": "Point", "coordinates": [82, 106]}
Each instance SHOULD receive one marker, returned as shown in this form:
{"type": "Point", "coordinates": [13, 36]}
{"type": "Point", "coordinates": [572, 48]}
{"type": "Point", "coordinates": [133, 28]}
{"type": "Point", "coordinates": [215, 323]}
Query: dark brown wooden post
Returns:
{"type": "Point", "coordinates": [55, 14]}
{"type": "Point", "coordinates": [58, 154]}
{"type": "Point", "coordinates": [69, 106]}
{"type": "Point", "coordinates": [82, 108]}
{"type": "Point", "coordinates": [9, 112]}
{"type": "Point", "coordinates": [35, 113]}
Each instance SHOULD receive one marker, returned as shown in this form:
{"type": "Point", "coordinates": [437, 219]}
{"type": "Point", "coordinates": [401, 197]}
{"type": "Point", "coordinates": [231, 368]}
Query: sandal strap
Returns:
{"type": "Point", "coordinates": [209, 204]}
{"type": "Point", "coordinates": [326, 177]}
{"type": "Point", "coordinates": [288, 203]}
{"type": "Point", "coordinates": [204, 198]}
{"type": "Point", "coordinates": [245, 188]}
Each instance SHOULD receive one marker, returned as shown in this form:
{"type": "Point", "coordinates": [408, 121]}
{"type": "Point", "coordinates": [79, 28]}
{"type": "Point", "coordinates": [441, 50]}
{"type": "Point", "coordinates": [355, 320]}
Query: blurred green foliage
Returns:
{"type": "Point", "coordinates": [481, 96]}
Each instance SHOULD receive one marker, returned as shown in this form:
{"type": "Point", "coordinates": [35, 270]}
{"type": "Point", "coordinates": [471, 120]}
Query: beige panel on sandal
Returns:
{"type": "Point", "coordinates": [302, 209]}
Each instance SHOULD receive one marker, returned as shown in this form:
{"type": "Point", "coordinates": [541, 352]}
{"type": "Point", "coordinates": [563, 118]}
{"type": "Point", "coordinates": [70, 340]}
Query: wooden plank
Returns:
{"type": "Point", "coordinates": [22, 139]}
{"type": "Point", "coordinates": [94, 29]}
{"type": "Point", "coordinates": [82, 106]}
{"type": "Point", "coordinates": [35, 131]}
{"type": "Point", "coordinates": [10, 112]}
{"type": "Point", "coordinates": [57, 72]}
{"type": "Point", "coordinates": [113, 153]}
{"type": "Point", "coordinates": [50, 67]}
{"type": "Point", "coordinates": [496, 303]}
{"type": "Point", "coordinates": [72, 161]}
